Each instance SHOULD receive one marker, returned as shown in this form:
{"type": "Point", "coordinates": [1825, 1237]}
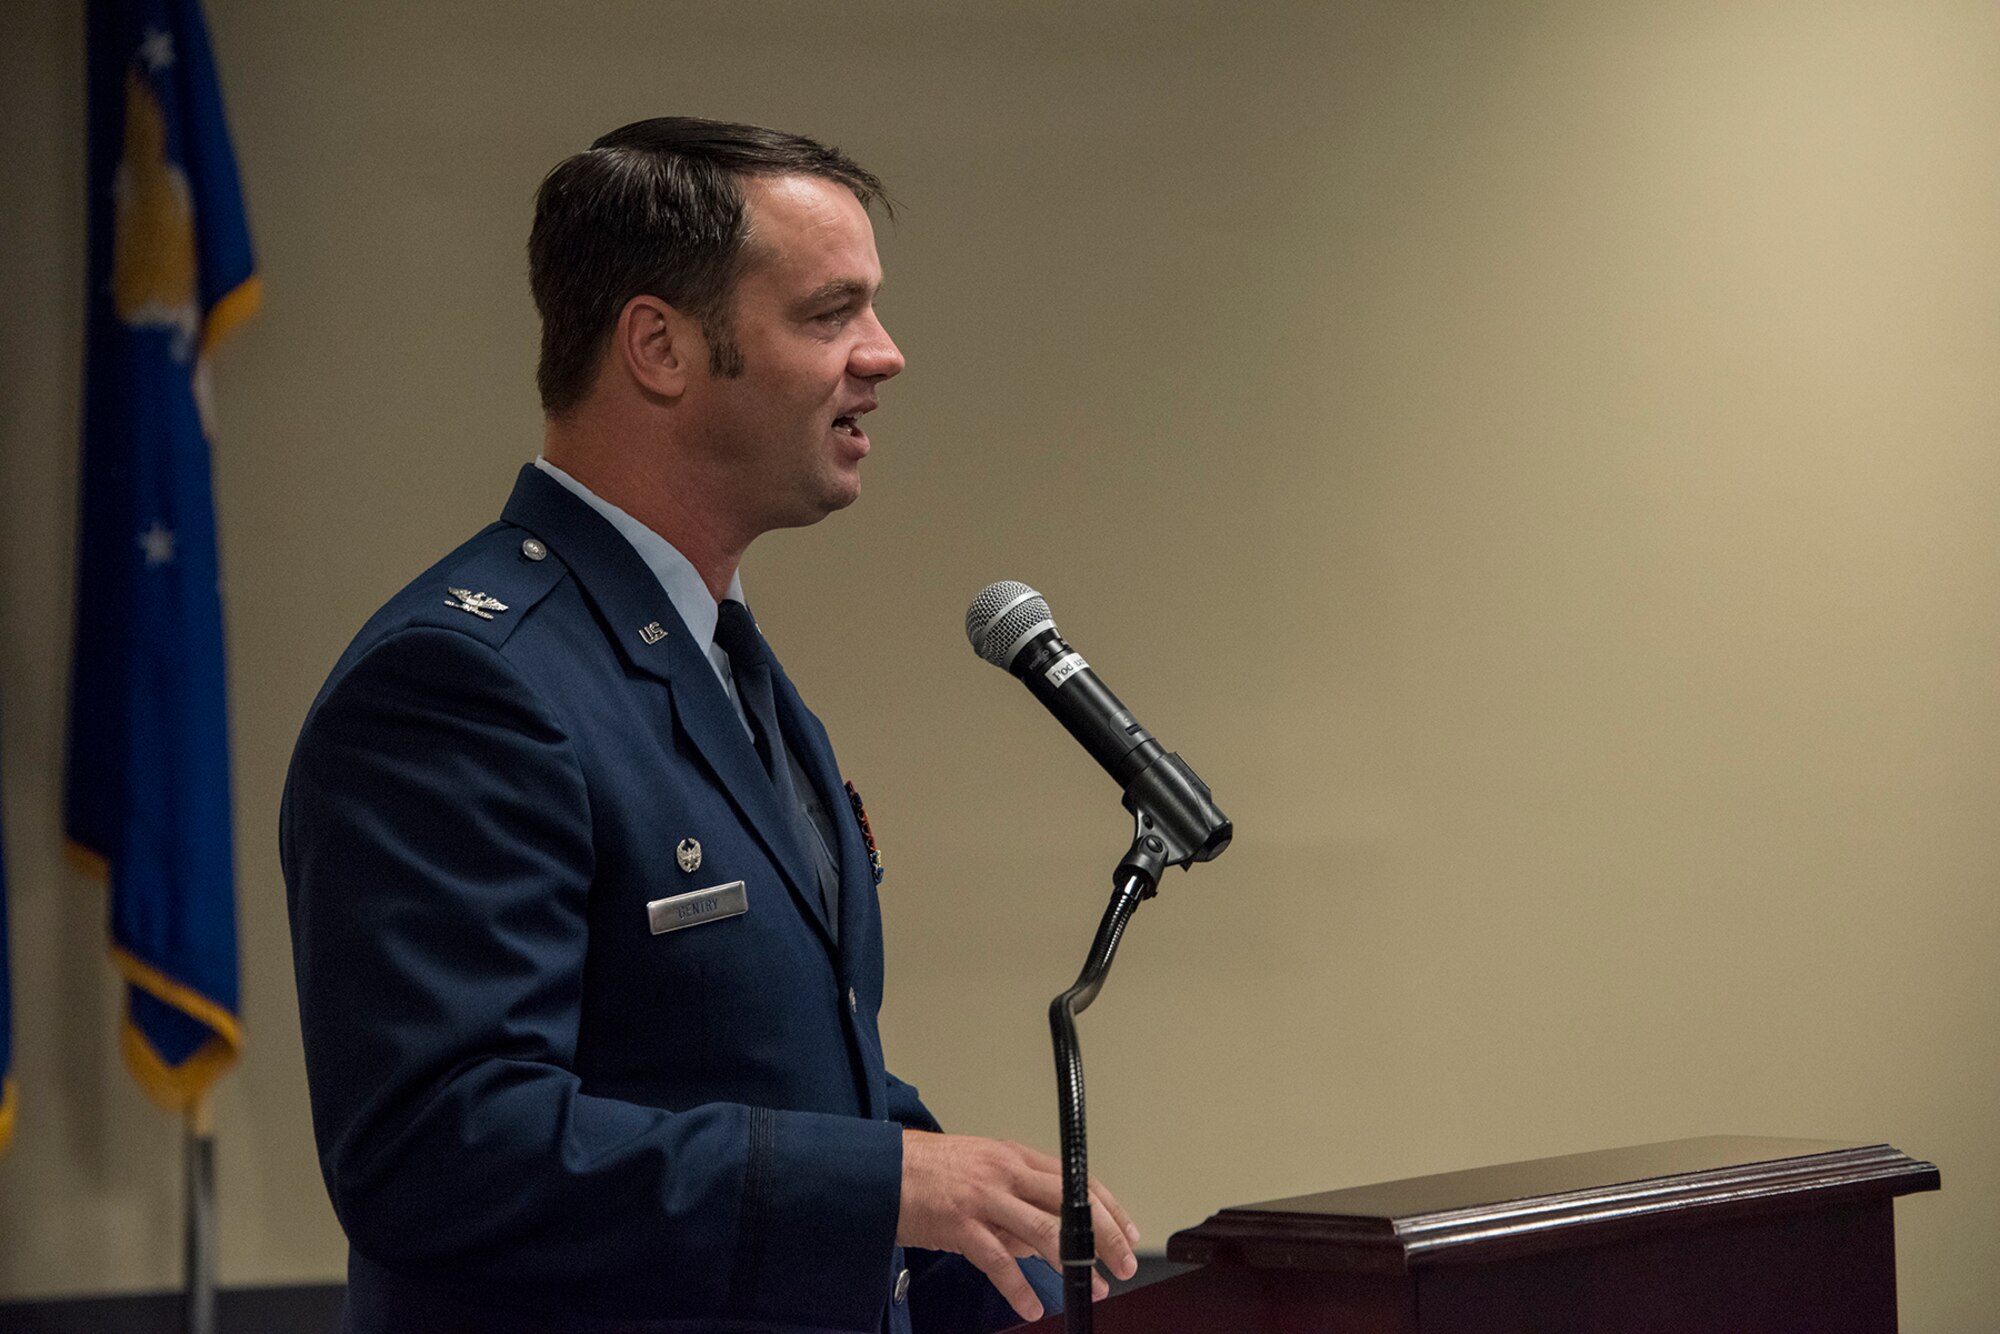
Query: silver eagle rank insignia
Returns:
{"type": "Point", "coordinates": [480, 605]}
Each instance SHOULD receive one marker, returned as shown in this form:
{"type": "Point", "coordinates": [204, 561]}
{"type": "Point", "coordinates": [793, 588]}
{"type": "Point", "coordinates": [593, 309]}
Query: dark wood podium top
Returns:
{"type": "Point", "coordinates": [1548, 1204]}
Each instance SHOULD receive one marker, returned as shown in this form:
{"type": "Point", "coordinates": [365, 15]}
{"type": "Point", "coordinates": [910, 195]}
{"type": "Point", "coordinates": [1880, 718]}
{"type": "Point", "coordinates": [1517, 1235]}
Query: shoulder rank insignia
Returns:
{"type": "Point", "coordinates": [478, 604]}
{"type": "Point", "coordinates": [867, 834]}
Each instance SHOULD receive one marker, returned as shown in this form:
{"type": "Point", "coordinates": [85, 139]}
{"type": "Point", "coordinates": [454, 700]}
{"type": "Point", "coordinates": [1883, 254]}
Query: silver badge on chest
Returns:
{"type": "Point", "coordinates": [689, 855]}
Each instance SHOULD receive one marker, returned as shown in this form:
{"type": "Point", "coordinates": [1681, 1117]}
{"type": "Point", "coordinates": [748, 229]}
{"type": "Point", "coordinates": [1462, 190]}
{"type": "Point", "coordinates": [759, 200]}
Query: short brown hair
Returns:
{"type": "Point", "coordinates": [656, 208]}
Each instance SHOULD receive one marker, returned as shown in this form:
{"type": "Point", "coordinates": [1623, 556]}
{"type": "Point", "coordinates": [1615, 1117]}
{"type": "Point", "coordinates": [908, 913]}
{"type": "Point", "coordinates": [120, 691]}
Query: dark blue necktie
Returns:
{"type": "Point", "coordinates": [750, 668]}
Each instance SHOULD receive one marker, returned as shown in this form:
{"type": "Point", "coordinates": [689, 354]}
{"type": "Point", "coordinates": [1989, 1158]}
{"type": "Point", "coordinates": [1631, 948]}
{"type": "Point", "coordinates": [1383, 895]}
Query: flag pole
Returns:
{"type": "Point", "coordinates": [198, 1292]}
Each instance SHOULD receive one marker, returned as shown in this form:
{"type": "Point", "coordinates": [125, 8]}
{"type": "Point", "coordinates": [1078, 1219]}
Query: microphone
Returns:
{"type": "Point", "coordinates": [1009, 625]}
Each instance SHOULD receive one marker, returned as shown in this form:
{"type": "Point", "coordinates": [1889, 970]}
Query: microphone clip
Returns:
{"type": "Point", "coordinates": [1175, 822]}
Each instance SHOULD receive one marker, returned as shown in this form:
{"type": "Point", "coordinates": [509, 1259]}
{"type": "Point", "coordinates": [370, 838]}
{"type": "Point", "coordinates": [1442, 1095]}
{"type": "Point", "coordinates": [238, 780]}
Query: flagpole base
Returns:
{"type": "Point", "coordinates": [198, 1159]}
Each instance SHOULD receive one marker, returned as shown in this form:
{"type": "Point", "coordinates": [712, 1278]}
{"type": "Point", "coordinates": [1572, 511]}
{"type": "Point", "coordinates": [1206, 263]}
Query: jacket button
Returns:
{"type": "Point", "coordinates": [534, 550]}
{"type": "Point", "coordinates": [902, 1287]}
{"type": "Point", "coordinates": [854, 1007]}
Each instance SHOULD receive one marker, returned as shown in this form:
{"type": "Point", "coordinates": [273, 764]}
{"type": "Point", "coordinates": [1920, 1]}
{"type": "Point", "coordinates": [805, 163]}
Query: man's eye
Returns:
{"type": "Point", "coordinates": [836, 318]}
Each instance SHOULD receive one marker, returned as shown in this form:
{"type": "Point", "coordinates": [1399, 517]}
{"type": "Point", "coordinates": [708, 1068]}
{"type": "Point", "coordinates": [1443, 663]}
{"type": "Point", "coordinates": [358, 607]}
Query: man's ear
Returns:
{"type": "Point", "coordinates": [657, 345]}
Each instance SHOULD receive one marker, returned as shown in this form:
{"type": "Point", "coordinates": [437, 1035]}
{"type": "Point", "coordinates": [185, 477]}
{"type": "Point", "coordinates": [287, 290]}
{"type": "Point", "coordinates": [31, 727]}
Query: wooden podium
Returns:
{"type": "Point", "coordinates": [1723, 1235]}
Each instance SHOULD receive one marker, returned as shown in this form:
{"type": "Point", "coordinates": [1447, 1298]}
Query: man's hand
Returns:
{"type": "Point", "coordinates": [993, 1200]}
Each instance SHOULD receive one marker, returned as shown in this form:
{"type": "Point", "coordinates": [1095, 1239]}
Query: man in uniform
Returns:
{"type": "Point", "coordinates": [585, 928]}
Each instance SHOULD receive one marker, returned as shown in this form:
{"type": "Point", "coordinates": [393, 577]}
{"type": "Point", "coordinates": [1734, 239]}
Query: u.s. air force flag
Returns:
{"type": "Point", "coordinates": [148, 784]}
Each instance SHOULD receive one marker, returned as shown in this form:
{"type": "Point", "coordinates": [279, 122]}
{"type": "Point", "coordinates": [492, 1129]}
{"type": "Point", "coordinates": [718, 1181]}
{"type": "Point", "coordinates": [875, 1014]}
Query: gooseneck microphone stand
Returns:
{"type": "Point", "coordinates": [1178, 823]}
{"type": "Point", "coordinates": [1079, 1240]}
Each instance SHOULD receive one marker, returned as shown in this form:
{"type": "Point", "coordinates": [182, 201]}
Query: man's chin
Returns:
{"type": "Point", "coordinates": [840, 502]}
{"type": "Point", "coordinates": [842, 489]}
{"type": "Point", "coordinates": [827, 502]}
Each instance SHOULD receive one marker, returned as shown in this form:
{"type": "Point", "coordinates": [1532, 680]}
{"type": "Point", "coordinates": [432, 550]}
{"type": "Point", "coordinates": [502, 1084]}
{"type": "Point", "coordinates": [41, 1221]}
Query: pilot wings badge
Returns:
{"type": "Point", "coordinates": [478, 604]}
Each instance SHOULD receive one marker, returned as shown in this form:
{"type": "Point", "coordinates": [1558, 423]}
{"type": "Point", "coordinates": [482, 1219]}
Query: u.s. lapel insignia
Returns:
{"type": "Point", "coordinates": [464, 599]}
{"type": "Point", "coordinates": [867, 834]}
{"type": "Point", "coordinates": [689, 855]}
{"type": "Point", "coordinates": [652, 632]}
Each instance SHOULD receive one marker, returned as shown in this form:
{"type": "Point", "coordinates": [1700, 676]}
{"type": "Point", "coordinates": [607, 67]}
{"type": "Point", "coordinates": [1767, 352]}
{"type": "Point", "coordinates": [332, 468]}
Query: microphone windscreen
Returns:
{"type": "Point", "coordinates": [1002, 618]}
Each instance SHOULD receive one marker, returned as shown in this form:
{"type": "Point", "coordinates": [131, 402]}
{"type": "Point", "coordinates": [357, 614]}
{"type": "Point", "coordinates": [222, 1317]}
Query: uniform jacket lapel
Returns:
{"type": "Point", "coordinates": [858, 926]}
{"type": "Point", "coordinates": [634, 609]}
{"type": "Point", "coordinates": [816, 756]}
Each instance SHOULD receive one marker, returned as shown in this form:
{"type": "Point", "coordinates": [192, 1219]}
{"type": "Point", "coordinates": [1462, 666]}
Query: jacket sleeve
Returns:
{"type": "Point", "coordinates": [907, 1109]}
{"type": "Point", "coordinates": [436, 839]}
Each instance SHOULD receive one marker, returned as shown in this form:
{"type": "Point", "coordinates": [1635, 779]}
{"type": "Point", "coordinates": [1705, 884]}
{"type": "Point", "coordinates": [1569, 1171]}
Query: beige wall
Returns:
{"type": "Point", "coordinates": [1537, 461]}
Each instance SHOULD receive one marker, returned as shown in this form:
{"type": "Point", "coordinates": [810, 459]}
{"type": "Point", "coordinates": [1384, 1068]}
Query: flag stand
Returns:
{"type": "Point", "coordinates": [198, 1293]}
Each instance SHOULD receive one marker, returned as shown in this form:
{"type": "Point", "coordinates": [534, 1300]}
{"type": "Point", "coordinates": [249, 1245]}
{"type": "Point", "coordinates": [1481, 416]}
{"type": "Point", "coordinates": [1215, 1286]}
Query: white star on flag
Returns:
{"type": "Point", "coordinates": [158, 544]}
{"type": "Point", "coordinates": [157, 50]}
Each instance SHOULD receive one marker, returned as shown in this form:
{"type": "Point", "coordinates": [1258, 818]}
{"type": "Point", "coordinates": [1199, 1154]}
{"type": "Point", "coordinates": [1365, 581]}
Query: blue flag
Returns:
{"type": "Point", "coordinates": [148, 783]}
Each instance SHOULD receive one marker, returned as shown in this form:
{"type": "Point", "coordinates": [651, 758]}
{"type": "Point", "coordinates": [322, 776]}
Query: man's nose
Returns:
{"type": "Point", "coordinates": [876, 357]}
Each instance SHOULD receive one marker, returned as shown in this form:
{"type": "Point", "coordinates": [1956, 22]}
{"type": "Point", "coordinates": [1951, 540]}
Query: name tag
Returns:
{"type": "Point", "coordinates": [703, 905]}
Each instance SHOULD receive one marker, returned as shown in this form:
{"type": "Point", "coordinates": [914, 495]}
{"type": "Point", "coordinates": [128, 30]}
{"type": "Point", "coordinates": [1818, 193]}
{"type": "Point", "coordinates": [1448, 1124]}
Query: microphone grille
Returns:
{"type": "Point", "coordinates": [1001, 617]}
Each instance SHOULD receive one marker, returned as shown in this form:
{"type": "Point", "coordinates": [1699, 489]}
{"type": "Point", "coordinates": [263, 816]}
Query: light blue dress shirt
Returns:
{"type": "Point", "coordinates": [684, 585]}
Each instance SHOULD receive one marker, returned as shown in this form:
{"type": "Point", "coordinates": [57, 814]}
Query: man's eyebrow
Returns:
{"type": "Point", "coordinates": [842, 289]}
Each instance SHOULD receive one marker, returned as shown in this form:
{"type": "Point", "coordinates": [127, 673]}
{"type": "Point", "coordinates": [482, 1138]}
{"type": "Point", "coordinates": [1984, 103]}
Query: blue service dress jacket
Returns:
{"type": "Point", "coordinates": [533, 1112]}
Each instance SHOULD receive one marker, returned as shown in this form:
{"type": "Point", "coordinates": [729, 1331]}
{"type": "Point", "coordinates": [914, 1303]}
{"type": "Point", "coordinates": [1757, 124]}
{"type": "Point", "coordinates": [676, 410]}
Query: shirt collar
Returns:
{"type": "Point", "coordinates": [683, 583]}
